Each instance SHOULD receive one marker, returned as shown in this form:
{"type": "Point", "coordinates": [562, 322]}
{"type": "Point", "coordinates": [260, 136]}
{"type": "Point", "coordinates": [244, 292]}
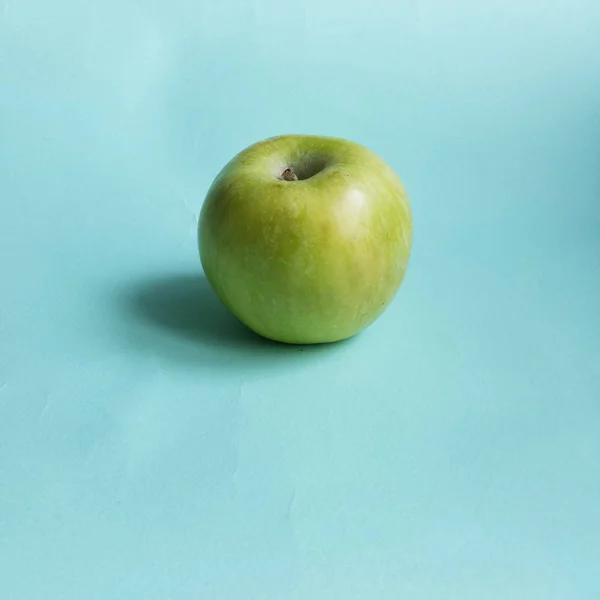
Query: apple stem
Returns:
{"type": "Point", "coordinates": [289, 175]}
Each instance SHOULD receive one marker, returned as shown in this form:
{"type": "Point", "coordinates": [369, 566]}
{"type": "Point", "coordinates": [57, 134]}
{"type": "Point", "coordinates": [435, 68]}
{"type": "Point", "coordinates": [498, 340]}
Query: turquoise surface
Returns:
{"type": "Point", "coordinates": [151, 448]}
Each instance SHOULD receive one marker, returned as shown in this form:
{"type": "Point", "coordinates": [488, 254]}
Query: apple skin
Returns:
{"type": "Point", "coordinates": [309, 261]}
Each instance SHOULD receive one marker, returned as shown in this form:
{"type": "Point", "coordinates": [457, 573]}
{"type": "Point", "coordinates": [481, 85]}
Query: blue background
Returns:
{"type": "Point", "coordinates": [151, 448]}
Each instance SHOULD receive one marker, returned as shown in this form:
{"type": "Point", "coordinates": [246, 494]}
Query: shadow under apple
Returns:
{"type": "Point", "coordinates": [180, 318]}
{"type": "Point", "coordinates": [186, 306]}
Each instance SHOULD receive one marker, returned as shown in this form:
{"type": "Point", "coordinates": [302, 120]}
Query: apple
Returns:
{"type": "Point", "coordinates": [305, 238]}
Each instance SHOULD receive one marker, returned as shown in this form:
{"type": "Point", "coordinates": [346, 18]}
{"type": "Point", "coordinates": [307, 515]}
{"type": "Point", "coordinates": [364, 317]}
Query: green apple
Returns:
{"type": "Point", "coordinates": [306, 239]}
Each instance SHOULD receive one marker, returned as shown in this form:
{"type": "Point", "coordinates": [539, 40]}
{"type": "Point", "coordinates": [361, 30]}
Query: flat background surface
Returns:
{"type": "Point", "coordinates": [150, 448]}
